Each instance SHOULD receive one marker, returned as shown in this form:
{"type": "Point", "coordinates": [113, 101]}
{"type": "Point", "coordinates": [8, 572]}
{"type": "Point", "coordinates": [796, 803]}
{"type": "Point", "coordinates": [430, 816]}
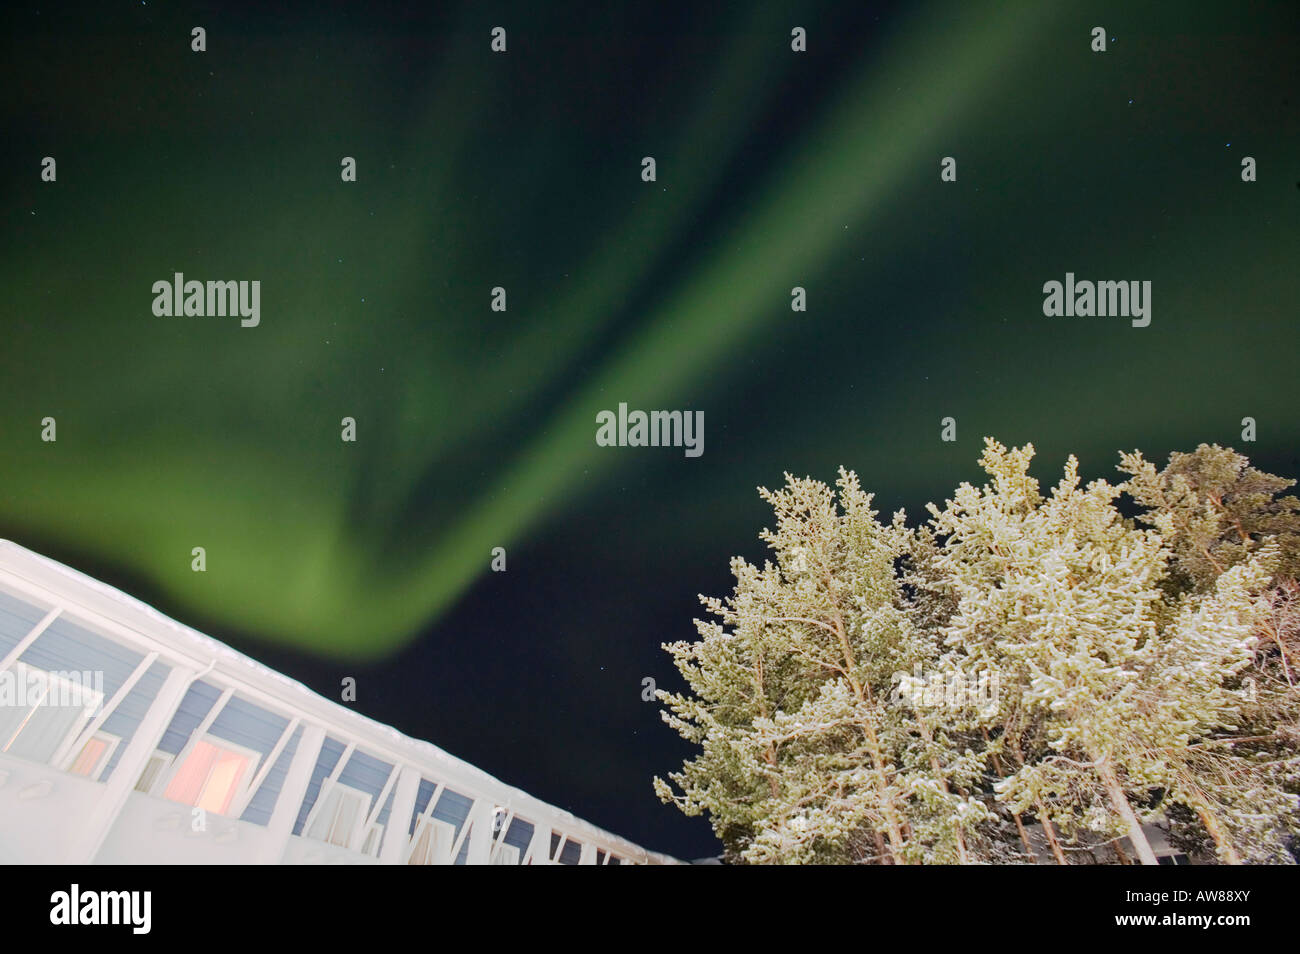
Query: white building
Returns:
{"type": "Point", "coordinates": [126, 737]}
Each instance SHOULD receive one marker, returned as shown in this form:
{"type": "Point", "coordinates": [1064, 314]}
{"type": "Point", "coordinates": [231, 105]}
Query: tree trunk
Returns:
{"type": "Point", "coordinates": [1020, 826]}
{"type": "Point", "coordinates": [1226, 850]}
{"type": "Point", "coordinates": [887, 801]}
{"type": "Point", "coordinates": [1119, 801]}
{"type": "Point", "coordinates": [1050, 831]}
{"type": "Point", "coordinates": [1024, 835]}
{"type": "Point", "coordinates": [863, 694]}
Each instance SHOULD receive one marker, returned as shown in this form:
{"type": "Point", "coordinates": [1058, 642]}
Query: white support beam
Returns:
{"type": "Point", "coordinates": [94, 827]}
{"type": "Point", "coordinates": [397, 836]}
{"type": "Point", "coordinates": [249, 789]}
{"type": "Point", "coordinates": [480, 833]}
{"type": "Point", "coordinates": [426, 817]}
{"type": "Point", "coordinates": [539, 846]}
{"type": "Point", "coordinates": [465, 828]}
{"type": "Point", "coordinates": [296, 781]}
{"type": "Point", "coordinates": [499, 838]}
{"type": "Point", "coordinates": [379, 802]}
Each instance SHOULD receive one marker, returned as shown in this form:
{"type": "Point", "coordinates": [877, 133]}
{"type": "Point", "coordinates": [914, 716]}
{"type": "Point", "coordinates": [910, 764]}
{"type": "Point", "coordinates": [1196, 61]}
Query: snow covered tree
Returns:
{"type": "Point", "coordinates": [804, 755]}
{"type": "Point", "coordinates": [1137, 671]}
{"type": "Point", "coordinates": [1065, 599]}
{"type": "Point", "coordinates": [1216, 511]}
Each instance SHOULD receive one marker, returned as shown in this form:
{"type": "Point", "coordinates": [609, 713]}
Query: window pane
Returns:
{"type": "Point", "coordinates": [52, 710]}
{"type": "Point", "coordinates": [341, 813]}
{"type": "Point", "coordinates": [90, 757]}
{"type": "Point", "coordinates": [222, 782]}
{"type": "Point", "coordinates": [187, 784]}
{"type": "Point", "coordinates": [149, 776]}
{"type": "Point", "coordinates": [209, 778]}
{"type": "Point", "coordinates": [44, 731]}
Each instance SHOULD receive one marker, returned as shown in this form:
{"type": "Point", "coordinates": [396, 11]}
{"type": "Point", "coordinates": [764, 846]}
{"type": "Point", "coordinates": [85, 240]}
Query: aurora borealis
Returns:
{"type": "Point", "coordinates": [475, 428]}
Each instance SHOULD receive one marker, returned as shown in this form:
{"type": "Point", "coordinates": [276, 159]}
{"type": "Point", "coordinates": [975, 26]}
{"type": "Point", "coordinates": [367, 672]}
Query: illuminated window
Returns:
{"type": "Point", "coordinates": [94, 755]}
{"type": "Point", "coordinates": [211, 775]}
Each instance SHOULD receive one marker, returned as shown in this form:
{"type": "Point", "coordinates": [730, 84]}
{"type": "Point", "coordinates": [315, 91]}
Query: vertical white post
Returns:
{"type": "Point", "coordinates": [500, 838]}
{"type": "Point", "coordinates": [378, 807]}
{"type": "Point", "coordinates": [396, 838]}
{"type": "Point", "coordinates": [85, 845]}
{"type": "Point", "coordinates": [249, 789]}
{"type": "Point", "coordinates": [540, 847]}
{"type": "Point", "coordinates": [480, 835]}
{"type": "Point", "coordinates": [280, 828]}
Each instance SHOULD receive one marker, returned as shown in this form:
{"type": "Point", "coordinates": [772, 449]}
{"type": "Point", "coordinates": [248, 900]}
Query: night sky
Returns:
{"type": "Point", "coordinates": [476, 429]}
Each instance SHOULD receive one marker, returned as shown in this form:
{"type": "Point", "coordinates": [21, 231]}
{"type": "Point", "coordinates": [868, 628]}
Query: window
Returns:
{"type": "Point", "coordinates": [339, 817]}
{"type": "Point", "coordinates": [94, 755]}
{"type": "Point", "coordinates": [519, 835]}
{"type": "Point", "coordinates": [44, 711]}
{"type": "Point", "coordinates": [211, 775]}
{"type": "Point", "coordinates": [571, 853]}
{"type": "Point", "coordinates": [374, 837]}
{"type": "Point", "coordinates": [432, 843]}
{"type": "Point", "coordinates": [153, 771]}
{"type": "Point", "coordinates": [505, 855]}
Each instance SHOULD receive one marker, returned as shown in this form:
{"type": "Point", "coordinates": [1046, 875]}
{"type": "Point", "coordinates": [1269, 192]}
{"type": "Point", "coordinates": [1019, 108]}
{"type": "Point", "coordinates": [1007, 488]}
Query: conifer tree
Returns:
{"type": "Point", "coordinates": [1138, 670]}
{"type": "Point", "coordinates": [804, 757]}
{"type": "Point", "coordinates": [1066, 600]}
{"type": "Point", "coordinates": [1216, 510]}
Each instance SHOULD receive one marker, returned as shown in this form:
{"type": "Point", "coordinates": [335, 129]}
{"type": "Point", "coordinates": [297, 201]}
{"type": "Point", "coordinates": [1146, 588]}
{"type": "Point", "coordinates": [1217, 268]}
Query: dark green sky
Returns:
{"type": "Point", "coordinates": [476, 429]}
